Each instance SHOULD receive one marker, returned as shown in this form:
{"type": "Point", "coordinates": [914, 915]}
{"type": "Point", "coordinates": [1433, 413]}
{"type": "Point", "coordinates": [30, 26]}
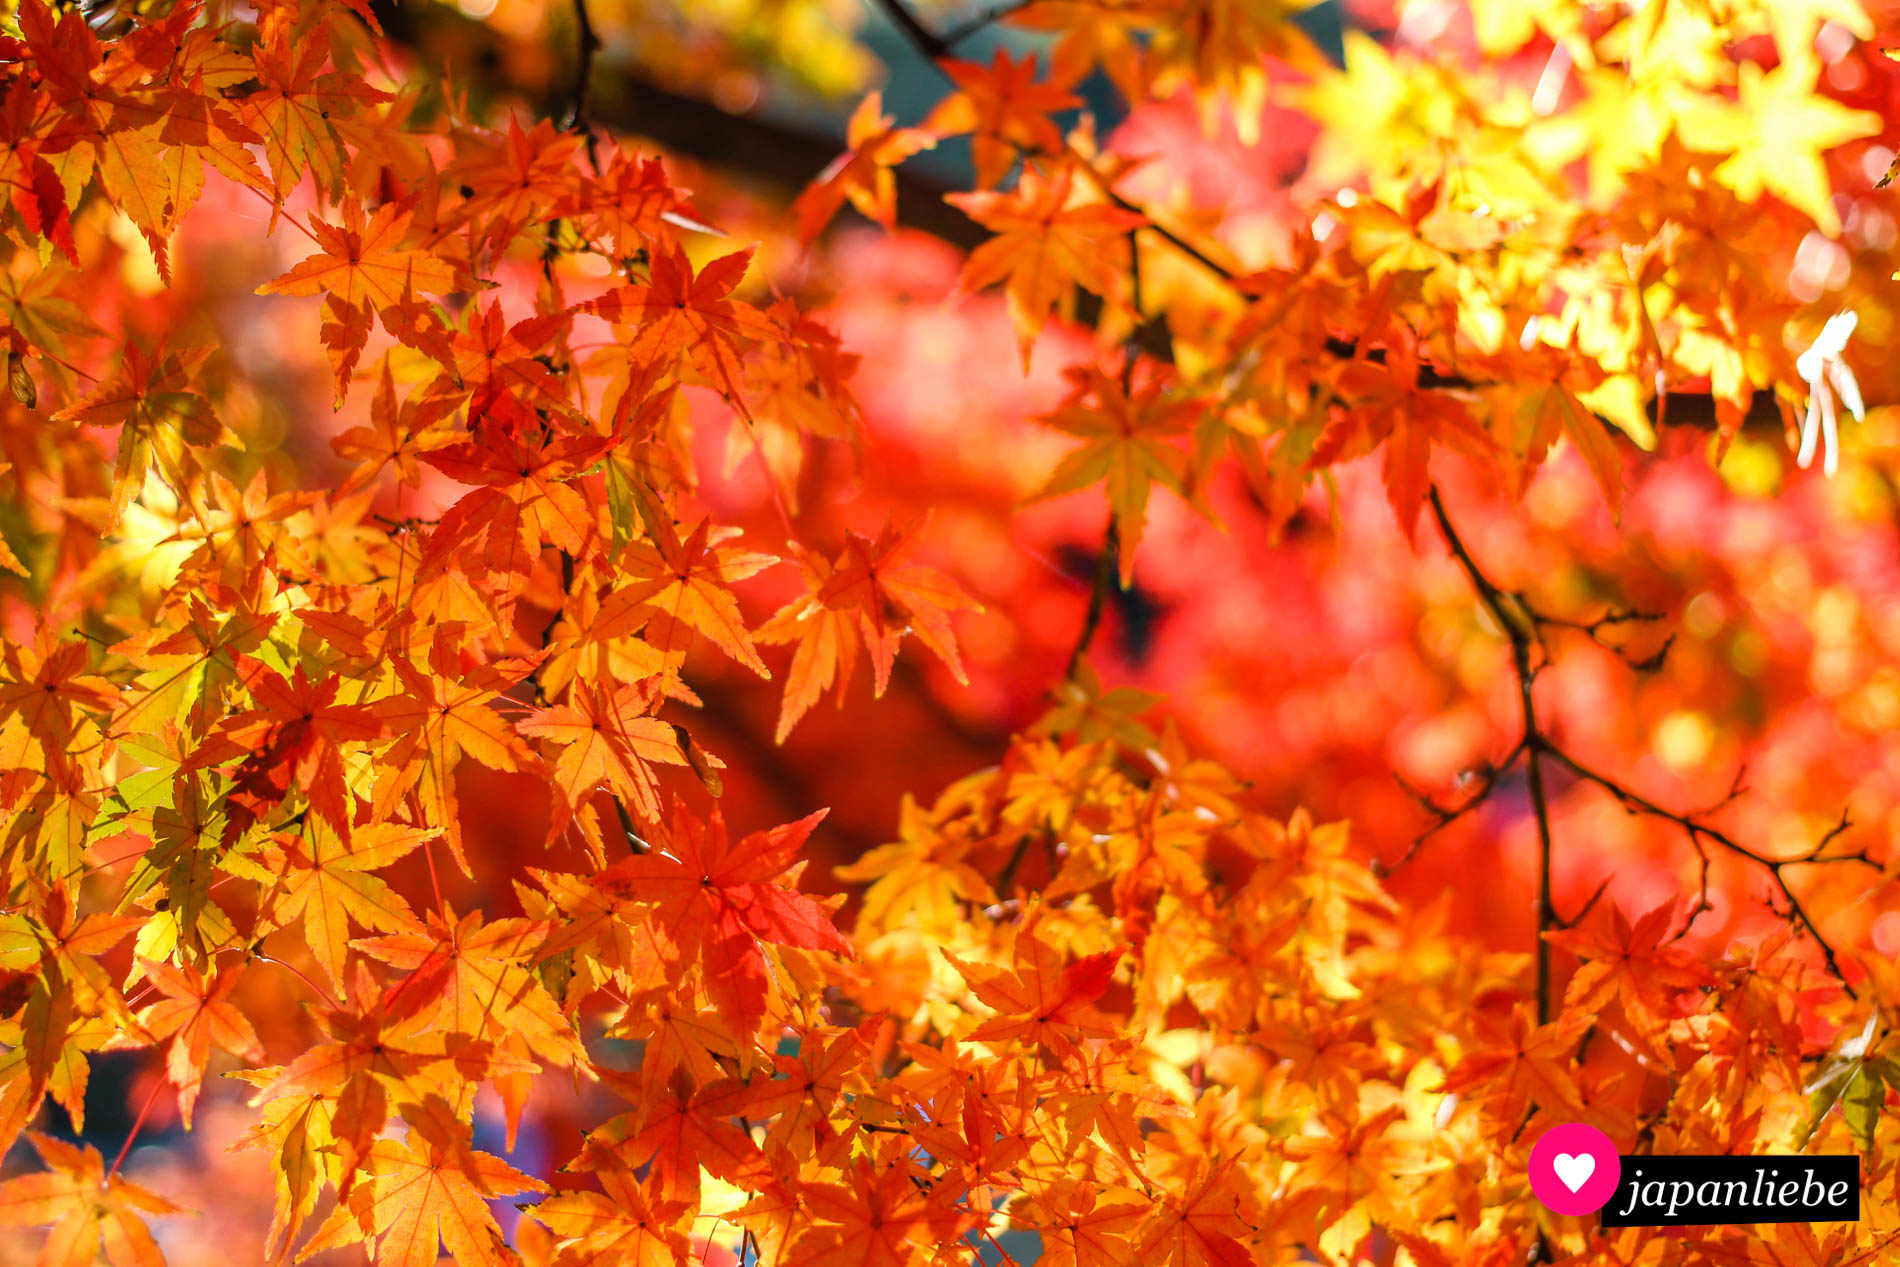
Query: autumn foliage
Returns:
{"type": "Point", "coordinates": [1354, 623]}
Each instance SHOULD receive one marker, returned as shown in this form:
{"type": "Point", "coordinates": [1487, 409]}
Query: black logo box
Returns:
{"type": "Point", "coordinates": [1687, 1190]}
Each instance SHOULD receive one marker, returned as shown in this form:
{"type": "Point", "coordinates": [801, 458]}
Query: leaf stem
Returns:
{"type": "Point", "coordinates": [138, 1123]}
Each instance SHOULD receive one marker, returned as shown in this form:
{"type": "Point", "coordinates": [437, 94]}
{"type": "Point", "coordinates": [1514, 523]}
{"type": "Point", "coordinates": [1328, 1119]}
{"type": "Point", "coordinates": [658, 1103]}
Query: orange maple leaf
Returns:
{"type": "Point", "coordinates": [869, 592]}
{"type": "Point", "coordinates": [879, 1217]}
{"type": "Point", "coordinates": [1006, 108]}
{"type": "Point", "coordinates": [195, 1013]}
{"type": "Point", "coordinates": [1631, 964]}
{"type": "Point", "coordinates": [862, 173]}
{"type": "Point", "coordinates": [1041, 999]}
{"type": "Point", "coordinates": [294, 733]}
{"type": "Point", "coordinates": [1082, 1225]}
{"type": "Point", "coordinates": [605, 739]}
{"type": "Point", "coordinates": [469, 977]}
{"type": "Point", "coordinates": [715, 902]}
{"type": "Point", "coordinates": [1387, 405]}
{"type": "Point", "coordinates": [327, 881]}
{"type": "Point", "coordinates": [688, 582]}
{"type": "Point", "coordinates": [363, 261]}
{"type": "Point", "coordinates": [1047, 242]}
{"type": "Point", "coordinates": [426, 1192]}
{"type": "Point", "coordinates": [629, 1223]}
{"type": "Point", "coordinates": [1126, 444]}
{"type": "Point", "coordinates": [682, 313]}
{"type": "Point", "coordinates": [90, 1210]}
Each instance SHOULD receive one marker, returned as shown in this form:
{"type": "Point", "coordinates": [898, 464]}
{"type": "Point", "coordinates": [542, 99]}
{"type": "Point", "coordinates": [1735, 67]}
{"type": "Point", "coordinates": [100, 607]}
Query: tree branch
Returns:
{"type": "Point", "coordinates": [983, 21]}
{"type": "Point", "coordinates": [589, 44]}
{"type": "Point", "coordinates": [933, 46]}
{"type": "Point", "coordinates": [1531, 745]}
{"type": "Point", "coordinates": [1702, 833]}
{"type": "Point", "coordinates": [1106, 566]}
{"type": "Point", "coordinates": [1522, 625]}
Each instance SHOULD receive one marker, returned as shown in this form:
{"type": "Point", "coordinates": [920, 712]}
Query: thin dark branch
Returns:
{"type": "Point", "coordinates": [1522, 624]}
{"type": "Point", "coordinates": [1701, 905]}
{"type": "Point", "coordinates": [635, 842]}
{"type": "Point", "coordinates": [926, 41]}
{"type": "Point", "coordinates": [589, 45]}
{"type": "Point", "coordinates": [1596, 629]}
{"type": "Point", "coordinates": [1444, 815]}
{"type": "Point", "coordinates": [1007, 876]}
{"type": "Point", "coordinates": [983, 21]}
{"type": "Point", "coordinates": [1583, 912]}
{"type": "Point", "coordinates": [1172, 238]}
{"type": "Point", "coordinates": [1106, 567]}
{"type": "Point", "coordinates": [1700, 831]}
{"type": "Point", "coordinates": [1521, 638]}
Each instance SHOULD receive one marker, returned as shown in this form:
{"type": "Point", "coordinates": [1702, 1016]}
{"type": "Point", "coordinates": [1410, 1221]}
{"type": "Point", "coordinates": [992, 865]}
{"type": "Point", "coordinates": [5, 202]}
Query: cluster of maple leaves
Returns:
{"type": "Point", "coordinates": [1090, 992]}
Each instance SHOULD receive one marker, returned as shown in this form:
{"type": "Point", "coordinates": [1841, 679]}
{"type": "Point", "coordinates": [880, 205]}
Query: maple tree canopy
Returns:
{"type": "Point", "coordinates": [1159, 649]}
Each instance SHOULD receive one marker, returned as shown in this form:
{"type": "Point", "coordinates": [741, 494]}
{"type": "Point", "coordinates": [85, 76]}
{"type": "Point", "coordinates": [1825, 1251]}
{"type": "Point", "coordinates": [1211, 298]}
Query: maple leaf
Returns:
{"type": "Point", "coordinates": [396, 436]}
{"type": "Point", "coordinates": [1631, 964]}
{"type": "Point", "coordinates": [605, 740]}
{"type": "Point", "coordinates": [1775, 133]}
{"type": "Point", "coordinates": [427, 1192]}
{"type": "Point", "coordinates": [677, 1131]}
{"type": "Point", "coordinates": [91, 1211]}
{"type": "Point", "coordinates": [1200, 1224]}
{"type": "Point", "coordinates": [809, 1086]}
{"type": "Point", "coordinates": [299, 105]}
{"type": "Point", "coordinates": [918, 879]}
{"type": "Point", "coordinates": [371, 1058]}
{"type": "Point", "coordinates": [149, 399]}
{"type": "Point", "coordinates": [33, 187]}
{"type": "Point", "coordinates": [689, 582]}
{"type": "Point", "coordinates": [1006, 108]}
{"type": "Point", "coordinates": [515, 182]}
{"type": "Point", "coordinates": [345, 333]}
{"type": "Point", "coordinates": [442, 716]}
{"type": "Point", "coordinates": [878, 1217]}
{"type": "Point", "coordinates": [1042, 999]}
{"type": "Point", "coordinates": [469, 978]}
{"type": "Point", "coordinates": [862, 173]}
{"type": "Point", "coordinates": [326, 880]}
{"type": "Point", "coordinates": [1531, 1065]}
{"type": "Point", "coordinates": [1389, 407]}
{"type": "Point", "coordinates": [1082, 1225]}
{"type": "Point", "coordinates": [1546, 409]}
{"type": "Point", "coordinates": [236, 530]}
{"type": "Point", "coordinates": [626, 1224]}
{"type": "Point", "coordinates": [524, 496]}
{"type": "Point", "coordinates": [195, 1013]}
{"type": "Point", "coordinates": [869, 592]}
{"type": "Point", "coordinates": [677, 1031]}
{"type": "Point", "coordinates": [493, 359]}
{"type": "Point", "coordinates": [46, 688]}
{"type": "Point", "coordinates": [632, 205]}
{"type": "Point", "coordinates": [1794, 1245]}
{"type": "Point", "coordinates": [681, 313]}
{"type": "Point", "coordinates": [1126, 445]}
{"type": "Point", "coordinates": [294, 734]}
{"type": "Point", "coordinates": [1048, 241]}
{"type": "Point", "coordinates": [715, 903]}
{"type": "Point", "coordinates": [295, 1130]}
{"type": "Point", "coordinates": [362, 261]}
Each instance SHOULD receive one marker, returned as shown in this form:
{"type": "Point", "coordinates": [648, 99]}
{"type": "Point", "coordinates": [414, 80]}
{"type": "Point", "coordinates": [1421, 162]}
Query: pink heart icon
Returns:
{"type": "Point", "coordinates": [1574, 1169]}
